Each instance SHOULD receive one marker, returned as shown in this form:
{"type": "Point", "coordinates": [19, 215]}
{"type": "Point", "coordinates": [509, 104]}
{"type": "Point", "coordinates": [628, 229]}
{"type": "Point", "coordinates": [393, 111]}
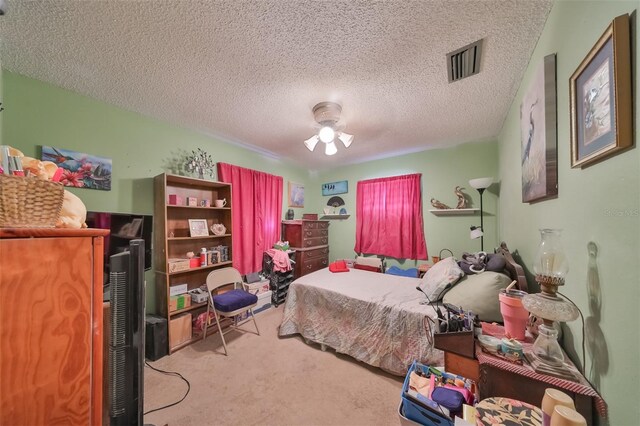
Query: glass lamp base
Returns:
{"type": "Point", "coordinates": [546, 347]}
{"type": "Point", "coordinates": [563, 372]}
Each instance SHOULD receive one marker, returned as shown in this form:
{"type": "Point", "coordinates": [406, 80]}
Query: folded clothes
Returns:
{"type": "Point", "coordinates": [338, 266]}
{"type": "Point", "coordinates": [281, 261]}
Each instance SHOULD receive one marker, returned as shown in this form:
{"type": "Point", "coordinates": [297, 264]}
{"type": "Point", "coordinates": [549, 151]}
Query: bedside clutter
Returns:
{"type": "Point", "coordinates": [433, 397]}
{"type": "Point", "coordinates": [499, 368]}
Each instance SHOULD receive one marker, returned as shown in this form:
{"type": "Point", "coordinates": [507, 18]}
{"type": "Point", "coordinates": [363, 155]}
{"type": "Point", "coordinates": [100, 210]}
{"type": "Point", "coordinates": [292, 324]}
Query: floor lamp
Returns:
{"type": "Point", "coordinates": [480, 184]}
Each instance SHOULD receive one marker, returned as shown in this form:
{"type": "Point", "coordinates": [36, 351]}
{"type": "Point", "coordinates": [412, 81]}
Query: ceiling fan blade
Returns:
{"type": "Point", "coordinates": [346, 139]}
{"type": "Point", "coordinates": [311, 142]}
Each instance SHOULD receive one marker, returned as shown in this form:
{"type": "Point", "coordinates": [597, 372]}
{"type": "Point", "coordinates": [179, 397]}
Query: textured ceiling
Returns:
{"type": "Point", "coordinates": [250, 72]}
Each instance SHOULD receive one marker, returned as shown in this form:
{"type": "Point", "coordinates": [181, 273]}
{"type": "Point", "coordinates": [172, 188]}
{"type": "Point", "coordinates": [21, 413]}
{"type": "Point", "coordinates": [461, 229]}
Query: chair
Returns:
{"type": "Point", "coordinates": [229, 304]}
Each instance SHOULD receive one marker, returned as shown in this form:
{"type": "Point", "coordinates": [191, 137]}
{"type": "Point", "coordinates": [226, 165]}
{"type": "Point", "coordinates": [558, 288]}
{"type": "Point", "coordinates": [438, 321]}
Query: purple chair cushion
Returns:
{"type": "Point", "coordinates": [234, 299]}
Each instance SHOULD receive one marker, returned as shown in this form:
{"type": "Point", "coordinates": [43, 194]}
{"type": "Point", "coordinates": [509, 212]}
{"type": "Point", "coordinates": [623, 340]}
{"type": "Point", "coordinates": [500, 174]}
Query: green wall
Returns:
{"type": "Point", "coordinates": [38, 113]}
{"type": "Point", "coordinates": [600, 203]}
{"type": "Point", "coordinates": [442, 170]}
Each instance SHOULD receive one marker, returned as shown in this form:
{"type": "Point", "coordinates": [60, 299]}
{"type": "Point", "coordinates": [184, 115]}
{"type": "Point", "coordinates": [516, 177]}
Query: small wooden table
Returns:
{"type": "Point", "coordinates": [502, 378]}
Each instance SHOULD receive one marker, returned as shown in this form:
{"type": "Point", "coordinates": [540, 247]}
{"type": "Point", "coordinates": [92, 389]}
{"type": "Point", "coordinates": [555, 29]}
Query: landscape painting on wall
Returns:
{"type": "Point", "coordinates": [80, 170]}
{"type": "Point", "coordinates": [538, 135]}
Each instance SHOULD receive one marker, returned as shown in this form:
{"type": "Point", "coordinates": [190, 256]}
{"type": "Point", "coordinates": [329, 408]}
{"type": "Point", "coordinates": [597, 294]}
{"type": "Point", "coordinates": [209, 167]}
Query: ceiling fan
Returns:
{"type": "Point", "coordinates": [327, 115]}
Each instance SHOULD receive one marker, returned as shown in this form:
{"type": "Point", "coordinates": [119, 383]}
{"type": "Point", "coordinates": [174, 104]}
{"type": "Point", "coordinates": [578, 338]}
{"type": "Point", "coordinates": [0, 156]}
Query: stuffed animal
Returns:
{"type": "Point", "coordinates": [475, 263]}
{"type": "Point", "coordinates": [74, 212]}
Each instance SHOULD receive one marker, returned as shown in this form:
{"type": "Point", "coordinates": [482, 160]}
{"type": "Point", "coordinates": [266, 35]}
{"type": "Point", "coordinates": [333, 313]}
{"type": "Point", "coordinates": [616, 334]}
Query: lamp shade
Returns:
{"type": "Point", "coordinates": [330, 148]}
{"type": "Point", "coordinates": [312, 142]}
{"type": "Point", "coordinates": [481, 183]}
{"type": "Point", "coordinates": [346, 139]}
{"type": "Point", "coordinates": [550, 260]}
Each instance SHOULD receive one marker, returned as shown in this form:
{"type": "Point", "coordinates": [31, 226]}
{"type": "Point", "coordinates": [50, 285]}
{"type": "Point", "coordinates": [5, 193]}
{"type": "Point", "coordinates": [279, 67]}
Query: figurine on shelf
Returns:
{"type": "Point", "coordinates": [438, 205]}
{"type": "Point", "coordinates": [462, 198]}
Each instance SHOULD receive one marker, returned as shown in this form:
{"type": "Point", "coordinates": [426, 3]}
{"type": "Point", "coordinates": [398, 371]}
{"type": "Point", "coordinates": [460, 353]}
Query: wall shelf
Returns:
{"type": "Point", "coordinates": [334, 216]}
{"type": "Point", "coordinates": [454, 212]}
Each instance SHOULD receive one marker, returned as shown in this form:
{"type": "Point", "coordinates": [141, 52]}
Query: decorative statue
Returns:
{"type": "Point", "coordinates": [438, 205]}
{"type": "Point", "coordinates": [462, 199]}
{"type": "Point", "coordinates": [200, 162]}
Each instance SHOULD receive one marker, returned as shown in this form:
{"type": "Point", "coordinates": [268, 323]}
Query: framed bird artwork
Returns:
{"type": "Point", "coordinates": [80, 170]}
{"type": "Point", "coordinates": [538, 130]}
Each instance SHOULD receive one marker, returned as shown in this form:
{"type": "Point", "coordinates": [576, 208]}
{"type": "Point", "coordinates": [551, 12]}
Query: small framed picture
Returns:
{"type": "Point", "coordinates": [198, 228]}
{"type": "Point", "coordinates": [333, 188]}
{"type": "Point", "coordinates": [600, 91]}
{"type": "Point", "coordinates": [296, 195]}
{"type": "Point", "coordinates": [130, 230]}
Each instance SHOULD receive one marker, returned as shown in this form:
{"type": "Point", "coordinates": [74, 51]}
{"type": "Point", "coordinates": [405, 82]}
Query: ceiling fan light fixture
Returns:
{"type": "Point", "coordinates": [327, 115]}
{"type": "Point", "coordinates": [346, 139]}
{"type": "Point", "coordinates": [312, 142]}
{"type": "Point", "coordinates": [327, 134]}
{"type": "Point", "coordinates": [330, 148]}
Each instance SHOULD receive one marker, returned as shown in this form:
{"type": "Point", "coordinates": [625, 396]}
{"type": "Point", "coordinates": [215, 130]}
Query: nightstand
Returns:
{"type": "Point", "coordinates": [462, 366]}
{"type": "Point", "coordinates": [498, 377]}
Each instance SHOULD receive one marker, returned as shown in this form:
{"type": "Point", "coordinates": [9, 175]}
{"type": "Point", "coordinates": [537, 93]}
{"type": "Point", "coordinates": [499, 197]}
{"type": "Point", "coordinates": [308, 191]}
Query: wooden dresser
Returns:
{"type": "Point", "coordinates": [310, 240]}
{"type": "Point", "coordinates": [51, 326]}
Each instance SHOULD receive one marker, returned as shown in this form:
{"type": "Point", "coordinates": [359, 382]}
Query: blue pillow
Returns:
{"type": "Point", "coordinates": [411, 272]}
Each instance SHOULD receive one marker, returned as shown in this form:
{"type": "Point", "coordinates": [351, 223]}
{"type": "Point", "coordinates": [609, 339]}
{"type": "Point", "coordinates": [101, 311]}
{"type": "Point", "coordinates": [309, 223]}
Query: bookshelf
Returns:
{"type": "Point", "coordinates": [172, 240]}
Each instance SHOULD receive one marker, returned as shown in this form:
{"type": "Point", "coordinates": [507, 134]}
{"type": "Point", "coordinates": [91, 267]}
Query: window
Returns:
{"type": "Point", "coordinates": [389, 217]}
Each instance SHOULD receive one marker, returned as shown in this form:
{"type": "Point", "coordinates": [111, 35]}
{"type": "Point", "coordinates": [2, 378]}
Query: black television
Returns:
{"type": "Point", "coordinates": [124, 227]}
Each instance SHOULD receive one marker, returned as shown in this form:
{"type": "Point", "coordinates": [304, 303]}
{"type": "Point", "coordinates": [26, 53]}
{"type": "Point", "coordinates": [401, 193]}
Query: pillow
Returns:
{"type": "Point", "coordinates": [479, 293]}
{"type": "Point", "coordinates": [446, 272]}
{"type": "Point", "coordinates": [366, 267]}
{"type": "Point", "coordinates": [369, 261]}
{"type": "Point", "coordinates": [395, 270]}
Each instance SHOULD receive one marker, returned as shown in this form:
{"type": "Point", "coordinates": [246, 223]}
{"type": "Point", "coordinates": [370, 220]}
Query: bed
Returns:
{"type": "Point", "coordinates": [375, 318]}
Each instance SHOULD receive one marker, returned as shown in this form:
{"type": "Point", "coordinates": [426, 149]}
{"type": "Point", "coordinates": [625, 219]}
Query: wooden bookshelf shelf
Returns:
{"type": "Point", "coordinates": [190, 308]}
{"type": "Point", "coordinates": [173, 206]}
{"type": "Point", "coordinates": [208, 237]}
{"type": "Point", "coordinates": [201, 268]}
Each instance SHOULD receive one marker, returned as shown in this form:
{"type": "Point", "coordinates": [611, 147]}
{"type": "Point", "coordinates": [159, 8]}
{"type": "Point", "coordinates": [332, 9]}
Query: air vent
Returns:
{"type": "Point", "coordinates": [464, 62]}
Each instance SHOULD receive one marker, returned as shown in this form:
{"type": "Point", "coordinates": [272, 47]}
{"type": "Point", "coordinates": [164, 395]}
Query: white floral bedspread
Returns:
{"type": "Point", "coordinates": [375, 318]}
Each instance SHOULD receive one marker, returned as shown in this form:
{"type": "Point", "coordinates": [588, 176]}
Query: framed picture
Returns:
{"type": "Point", "coordinates": [80, 170]}
{"type": "Point", "coordinates": [296, 195]}
{"type": "Point", "coordinates": [130, 230]}
{"type": "Point", "coordinates": [198, 228]}
{"type": "Point", "coordinates": [600, 92]}
{"type": "Point", "coordinates": [334, 188]}
{"type": "Point", "coordinates": [538, 135]}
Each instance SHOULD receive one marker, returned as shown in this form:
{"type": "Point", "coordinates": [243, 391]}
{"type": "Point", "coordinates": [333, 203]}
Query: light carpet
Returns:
{"type": "Point", "coordinates": [269, 380]}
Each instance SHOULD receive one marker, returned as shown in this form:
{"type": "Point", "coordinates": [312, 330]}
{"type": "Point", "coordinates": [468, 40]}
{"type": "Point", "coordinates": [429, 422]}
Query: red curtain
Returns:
{"type": "Point", "coordinates": [389, 217]}
{"type": "Point", "coordinates": [257, 211]}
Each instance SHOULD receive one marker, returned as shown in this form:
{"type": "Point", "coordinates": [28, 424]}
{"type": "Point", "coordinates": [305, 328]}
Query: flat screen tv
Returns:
{"type": "Point", "coordinates": [124, 227]}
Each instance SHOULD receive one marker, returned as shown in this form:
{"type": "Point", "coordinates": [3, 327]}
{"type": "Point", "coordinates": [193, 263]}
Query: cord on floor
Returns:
{"type": "Point", "coordinates": [169, 373]}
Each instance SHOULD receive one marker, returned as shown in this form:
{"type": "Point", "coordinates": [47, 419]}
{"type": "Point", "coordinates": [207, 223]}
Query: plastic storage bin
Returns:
{"type": "Point", "coordinates": [424, 412]}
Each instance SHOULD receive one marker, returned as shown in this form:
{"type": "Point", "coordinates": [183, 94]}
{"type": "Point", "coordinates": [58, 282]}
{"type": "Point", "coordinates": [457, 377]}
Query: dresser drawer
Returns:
{"type": "Point", "coordinates": [314, 264]}
{"type": "Point", "coordinates": [321, 252]}
{"type": "Point", "coordinates": [314, 233]}
{"type": "Point", "coordinates": [310, 224]}
{"type": "Point", "coordinates": [310, 242]}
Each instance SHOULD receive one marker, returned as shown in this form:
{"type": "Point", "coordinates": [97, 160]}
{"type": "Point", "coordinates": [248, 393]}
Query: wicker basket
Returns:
{"type": "Point", "coordinates": [29, 202]}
